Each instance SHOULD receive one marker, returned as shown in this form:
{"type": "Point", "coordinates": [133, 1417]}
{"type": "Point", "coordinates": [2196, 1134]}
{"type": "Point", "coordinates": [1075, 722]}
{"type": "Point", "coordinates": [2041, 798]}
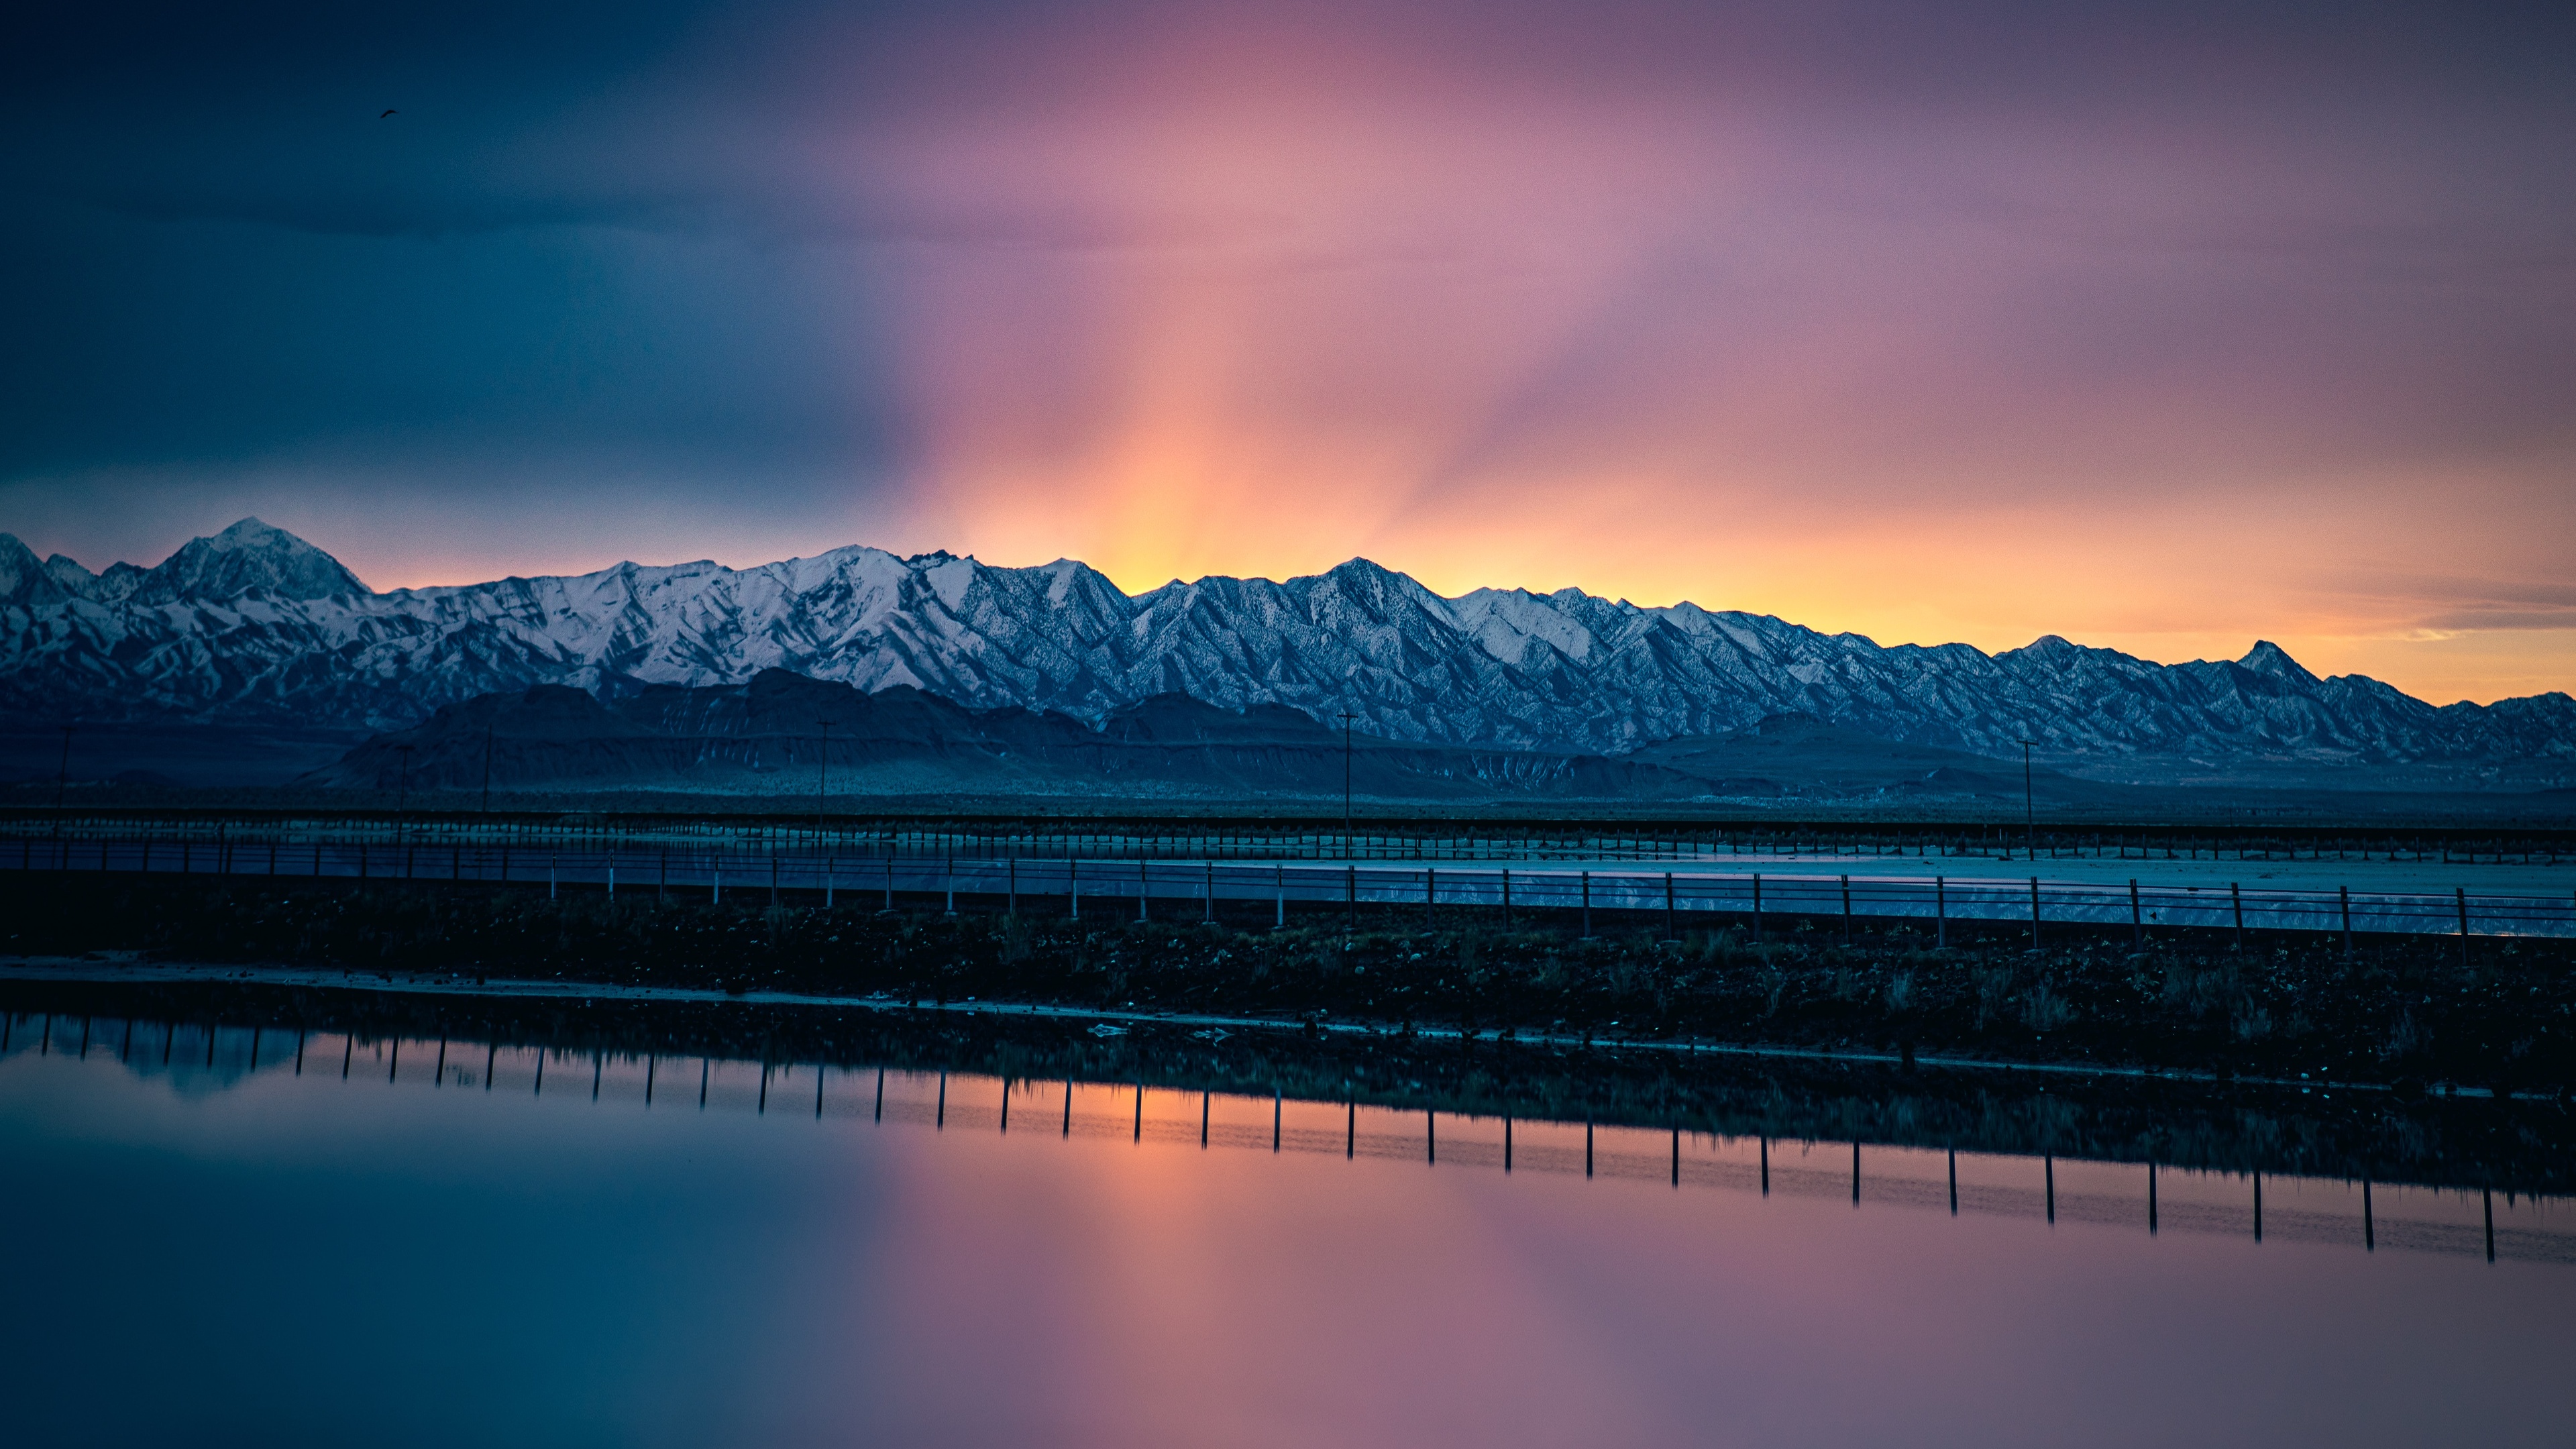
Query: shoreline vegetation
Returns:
{"type": "Point", "coordinates": [2414, 1014]}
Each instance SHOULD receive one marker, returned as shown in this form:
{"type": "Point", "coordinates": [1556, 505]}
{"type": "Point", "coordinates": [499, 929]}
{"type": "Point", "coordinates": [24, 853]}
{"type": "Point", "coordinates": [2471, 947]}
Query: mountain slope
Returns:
{"type": "Point", "coordinates": [255, 626]}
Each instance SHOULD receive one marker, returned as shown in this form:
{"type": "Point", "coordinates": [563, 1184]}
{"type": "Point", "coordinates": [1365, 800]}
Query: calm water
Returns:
{"type": "Point", "coordinates": [447, 1252]}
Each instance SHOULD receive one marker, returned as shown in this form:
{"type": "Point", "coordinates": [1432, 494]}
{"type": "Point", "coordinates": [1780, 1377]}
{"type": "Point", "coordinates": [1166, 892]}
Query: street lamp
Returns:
{"type": "Point", "coordinates": [2029, 812]}
{"type": "Point", "coordinates": [822, 773]}
{"type": "Point", "coordinates": [62, 784]}
{"type": "Point", "coordinates": [1346, 717]}
{"type": "Point", "coordinates": [402, 795]}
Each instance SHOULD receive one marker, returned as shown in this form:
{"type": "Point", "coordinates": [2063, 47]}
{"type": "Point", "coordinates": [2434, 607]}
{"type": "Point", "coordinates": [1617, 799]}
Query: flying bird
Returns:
{"type": "Point", "coordinates": [388, 111]}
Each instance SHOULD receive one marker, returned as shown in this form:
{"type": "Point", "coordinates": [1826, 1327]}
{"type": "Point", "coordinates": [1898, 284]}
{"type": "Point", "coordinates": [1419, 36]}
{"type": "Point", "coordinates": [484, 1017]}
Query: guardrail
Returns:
{"type": "Point", "coordinates": [1169, 890]}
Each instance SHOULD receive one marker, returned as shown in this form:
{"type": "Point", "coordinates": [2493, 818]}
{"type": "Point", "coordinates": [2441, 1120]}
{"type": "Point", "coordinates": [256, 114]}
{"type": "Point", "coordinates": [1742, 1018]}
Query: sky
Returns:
{"type": "Point", "coordinates": [2165, 327]}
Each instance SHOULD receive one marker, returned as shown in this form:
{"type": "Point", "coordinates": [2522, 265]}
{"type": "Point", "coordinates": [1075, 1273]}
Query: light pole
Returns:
{"type": "Point", "coordinates": [822, 773]}
{"type": "Point", "coordinates": [2029, 812]}
{"type": "Point", "coordinates": [1346, 717]}
{"type": "Point", "coordinates": [62, 782]}
{"type": "Point", "coordinates": [402, 796]}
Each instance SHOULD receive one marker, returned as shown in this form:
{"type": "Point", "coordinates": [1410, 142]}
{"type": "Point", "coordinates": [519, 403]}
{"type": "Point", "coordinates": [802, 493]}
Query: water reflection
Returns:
{"type": "Point", "coordinates": [442, 1238]}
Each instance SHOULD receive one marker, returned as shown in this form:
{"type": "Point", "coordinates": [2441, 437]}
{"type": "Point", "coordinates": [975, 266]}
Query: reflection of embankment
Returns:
{"type": "Point", "coordinates": [2519, 1146]}
{"type": "Point", "coordinates": [1126, 1090]}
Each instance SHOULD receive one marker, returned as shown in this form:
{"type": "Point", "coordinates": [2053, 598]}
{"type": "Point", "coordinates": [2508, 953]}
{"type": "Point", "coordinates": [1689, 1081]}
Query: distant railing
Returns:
{"type": "Point", "coordinates": [1222, 839]}
{"type": "Point", "coordinates": [1143, 888]}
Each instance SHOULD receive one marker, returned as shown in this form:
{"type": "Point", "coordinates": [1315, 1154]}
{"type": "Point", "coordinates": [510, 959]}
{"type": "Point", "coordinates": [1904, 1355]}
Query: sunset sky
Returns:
{"type": "Point", "coordinates": [2162, 327]}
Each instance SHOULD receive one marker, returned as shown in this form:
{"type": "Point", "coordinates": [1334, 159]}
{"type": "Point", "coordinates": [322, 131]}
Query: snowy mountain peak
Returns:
{"type": "Point", "coordinates": [1506, 668]}
{"type": "Point", "coordinates": [2268, 658]}
{"type": "Point", "coordinates": [249, 555]}
{"type": "Point", "coordinates": [22, 578]}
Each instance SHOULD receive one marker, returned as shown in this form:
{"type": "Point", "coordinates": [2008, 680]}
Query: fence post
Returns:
{"type": "Point", "coordinates": [1940, 914]}
{"type": "Point", "coordinates": [2034, 913]}
{"type": "Point", "coordinates": [1011, 907]}
{"type": "Point", "coordinates": [1209, 916]}
{"type": "Point", "coordinates": [2236, 900]}
{"type": "Point", "coordinates": [550, 871]}
{"type": "Point", "coordinates": [1430, 894]}
{"type": "Point", "coordinates": [2344, 893]}
{"type": "Point", "coordinates": [1587, 905]}
{"type": "Point", "coordinates": [1144, 888]}
{"type": "Point", "coordinates": [1279, 922]}
{"type": "Point", "coordinates": [2137, 920]}
{"type": "Point", "coordinates": [2461, 893]}
{"type": "Point", "coordinates": [1757, 905]}
{"type": "Point", "coordinates": [1846, 910]}
{"type": "Point", "coordinates": [1351, 891]}
{"type": "Point", "coordinates": [1507, 898]}
{"type": "Point", "coordinates": [1073, 888]}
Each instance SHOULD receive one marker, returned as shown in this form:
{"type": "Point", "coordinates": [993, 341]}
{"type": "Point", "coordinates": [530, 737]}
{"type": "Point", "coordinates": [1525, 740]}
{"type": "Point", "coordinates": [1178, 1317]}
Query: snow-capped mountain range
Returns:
{"type": "Point", "coordinates": [255, 626]}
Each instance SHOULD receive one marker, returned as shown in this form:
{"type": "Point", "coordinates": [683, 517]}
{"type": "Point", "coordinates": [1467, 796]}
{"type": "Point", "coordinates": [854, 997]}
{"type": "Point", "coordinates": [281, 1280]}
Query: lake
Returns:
{"type": "Point", "coordinates": [219, 1234]}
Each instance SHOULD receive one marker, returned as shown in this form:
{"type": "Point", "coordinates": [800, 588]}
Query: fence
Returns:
{"type": "Point", "coordinates": [1146, 888]}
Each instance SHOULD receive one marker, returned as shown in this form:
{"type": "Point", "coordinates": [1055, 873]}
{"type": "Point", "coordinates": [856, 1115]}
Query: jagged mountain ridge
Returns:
{"type": "Point", "coordinates": [256, 625]}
